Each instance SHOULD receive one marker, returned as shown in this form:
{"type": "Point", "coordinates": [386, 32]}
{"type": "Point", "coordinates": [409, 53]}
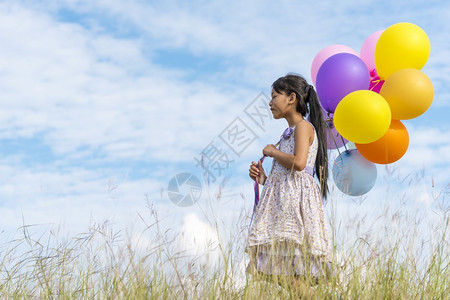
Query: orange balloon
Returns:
{"type": "Point", "coordinates": [409, 93]}
{"type": "Point", "coordinates": [388, 149]}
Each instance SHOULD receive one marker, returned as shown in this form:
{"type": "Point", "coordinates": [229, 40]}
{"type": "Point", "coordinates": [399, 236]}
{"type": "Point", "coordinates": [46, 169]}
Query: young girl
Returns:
{"type": "Point", "coordinates": [288, 236]}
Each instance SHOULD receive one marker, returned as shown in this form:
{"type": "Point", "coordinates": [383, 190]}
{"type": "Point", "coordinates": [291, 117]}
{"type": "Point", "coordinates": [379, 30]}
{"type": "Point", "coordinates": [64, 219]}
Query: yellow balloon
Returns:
{"type": "Point", "coordinates": [362, 117]}
{"type": "Point", "coordinates": [400, 46]}
{"type": "Point", "coordinates": [409, 93]}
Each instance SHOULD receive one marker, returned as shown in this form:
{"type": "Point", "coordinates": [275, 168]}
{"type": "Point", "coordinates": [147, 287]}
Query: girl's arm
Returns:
{"type": "Point", "coordinates": [303, 134]}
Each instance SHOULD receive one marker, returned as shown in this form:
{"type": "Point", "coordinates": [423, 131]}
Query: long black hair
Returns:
{"type": "Point", "coordinates": [308, 103]}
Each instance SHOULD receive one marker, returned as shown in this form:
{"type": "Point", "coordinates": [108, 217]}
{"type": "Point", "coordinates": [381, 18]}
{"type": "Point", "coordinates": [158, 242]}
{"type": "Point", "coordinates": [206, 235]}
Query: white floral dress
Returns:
{"type": "Point", "coordinates": [289, 235]}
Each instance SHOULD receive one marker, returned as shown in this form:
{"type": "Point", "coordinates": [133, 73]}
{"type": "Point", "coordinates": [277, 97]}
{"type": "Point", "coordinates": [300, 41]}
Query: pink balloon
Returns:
{"type": "Point", "coordinates": [367, 52]}
{"type": "Point", "coordinates": [324, 54]}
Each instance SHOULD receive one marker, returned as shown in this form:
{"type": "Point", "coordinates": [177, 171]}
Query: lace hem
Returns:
{"type": "Point", "coordinates": [287, 259]}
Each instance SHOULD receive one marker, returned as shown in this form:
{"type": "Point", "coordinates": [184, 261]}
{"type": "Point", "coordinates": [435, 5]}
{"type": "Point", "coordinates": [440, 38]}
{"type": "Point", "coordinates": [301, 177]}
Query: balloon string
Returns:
{"type": "Point", "coordinates": [343, 142]}
{"type": "Point", "coordinates": [331, 133]}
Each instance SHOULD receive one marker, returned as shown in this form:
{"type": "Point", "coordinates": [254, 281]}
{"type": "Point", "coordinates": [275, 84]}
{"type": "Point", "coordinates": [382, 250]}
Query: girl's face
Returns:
{"type": "Point", "coordinates": [280, 104]}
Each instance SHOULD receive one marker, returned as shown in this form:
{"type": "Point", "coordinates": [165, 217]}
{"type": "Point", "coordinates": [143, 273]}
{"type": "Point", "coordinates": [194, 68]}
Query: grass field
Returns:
{"type": "Point", "coordinates": [398, 262]}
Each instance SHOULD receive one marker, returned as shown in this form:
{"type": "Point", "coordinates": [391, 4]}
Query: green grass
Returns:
{"type": "Point", "coordinates": [398, 263]}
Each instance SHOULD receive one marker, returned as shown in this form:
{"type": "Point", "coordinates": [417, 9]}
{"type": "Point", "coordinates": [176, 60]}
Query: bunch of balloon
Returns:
{"type": "Point", "coordinates": [365, 96]}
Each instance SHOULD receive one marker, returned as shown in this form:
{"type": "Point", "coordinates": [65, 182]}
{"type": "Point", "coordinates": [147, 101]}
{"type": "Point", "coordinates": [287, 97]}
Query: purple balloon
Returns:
{"type": "Point", "coordinates": [334, 139]}
{"type": "Point", "coordinates": [338, 76]}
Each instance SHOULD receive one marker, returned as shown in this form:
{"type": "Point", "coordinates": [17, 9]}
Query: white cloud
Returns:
{"type": "Point", "coordinates": [428, 150]}
{"type": "Point", "coordinates": [199, 240]}
{"type": "Point", "coordinates": [87, 90]}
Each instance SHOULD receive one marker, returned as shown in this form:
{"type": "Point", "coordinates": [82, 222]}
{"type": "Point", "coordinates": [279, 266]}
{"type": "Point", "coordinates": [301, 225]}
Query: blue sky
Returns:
{"type": "Point", "coordinates": [103, 102]}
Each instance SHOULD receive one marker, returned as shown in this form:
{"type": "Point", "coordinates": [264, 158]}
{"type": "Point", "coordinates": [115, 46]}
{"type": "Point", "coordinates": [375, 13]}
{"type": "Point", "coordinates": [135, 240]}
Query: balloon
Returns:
{"type": "Point", "coordinates": [409, 93]}
{"type": "Point", "coordinates": [353, 174]}
{"type": "Point", "coordinates": [338, 76]}
{"type": "Point", "coordinates": [390, 148]}
{"type": "Point", "coordinates": [367, 52]}
{"type": "Point", "coordinates": [400, 46]}
{"type": "Point", "coordinates": [334, 139]}
{"type": "Point", "coordinates": [362, 117]}
{"type": "Point", "coordinates": [351, 145]}
{"type": "Point", "coordinates": [324, 54]}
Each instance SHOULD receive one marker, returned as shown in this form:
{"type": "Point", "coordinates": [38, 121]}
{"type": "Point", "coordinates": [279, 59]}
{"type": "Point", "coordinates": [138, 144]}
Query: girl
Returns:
{"type": "Point", "coordinates": [288, 236]}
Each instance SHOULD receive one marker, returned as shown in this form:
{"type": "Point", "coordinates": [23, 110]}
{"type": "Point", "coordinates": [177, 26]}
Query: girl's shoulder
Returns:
{"type": "Point", "coordinates": [304, 129]}
{"type": "Point", "coordinates": [303, 126]}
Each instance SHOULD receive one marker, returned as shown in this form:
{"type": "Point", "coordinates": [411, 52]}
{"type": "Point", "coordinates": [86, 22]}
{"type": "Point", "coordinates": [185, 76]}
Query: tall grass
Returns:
{"type": "Point", "coordinates": [395, 263]}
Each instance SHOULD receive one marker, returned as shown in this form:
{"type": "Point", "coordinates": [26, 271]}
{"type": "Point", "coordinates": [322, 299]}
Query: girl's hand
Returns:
{"type": "Point", "coordinates": [268, 150]}
{"type": "Point", "coordinates": [256, 172]}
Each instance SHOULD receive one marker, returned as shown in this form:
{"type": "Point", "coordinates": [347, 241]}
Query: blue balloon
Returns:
{"type": "Point", "coordinates": [353, 174]}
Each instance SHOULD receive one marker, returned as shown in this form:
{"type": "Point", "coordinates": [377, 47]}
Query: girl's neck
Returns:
{"type": "Point", "coordinates": [294, 119]}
